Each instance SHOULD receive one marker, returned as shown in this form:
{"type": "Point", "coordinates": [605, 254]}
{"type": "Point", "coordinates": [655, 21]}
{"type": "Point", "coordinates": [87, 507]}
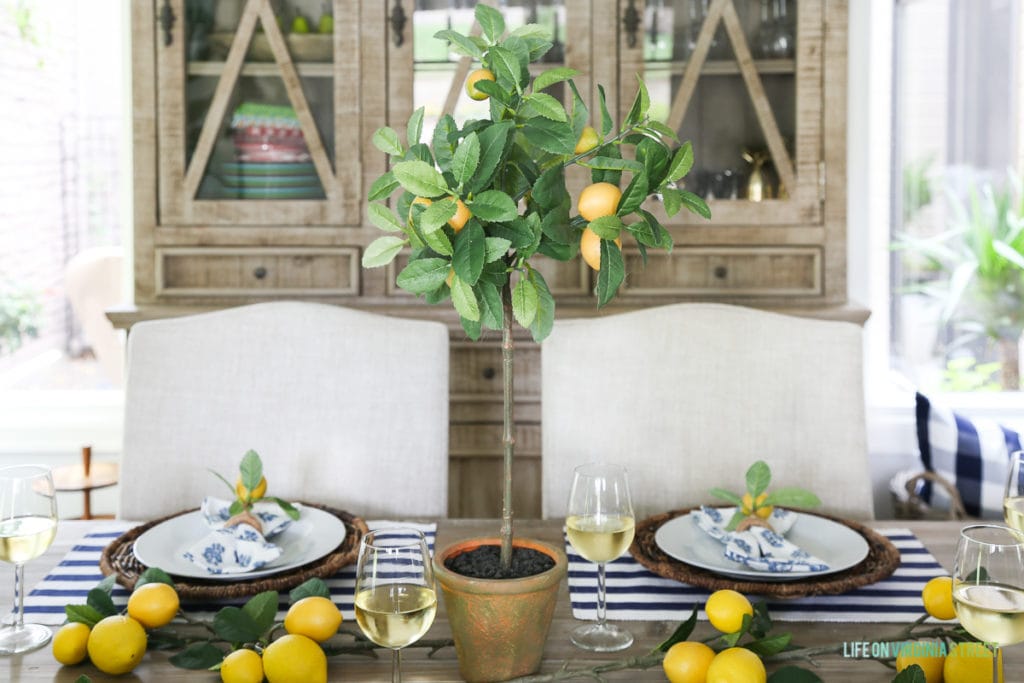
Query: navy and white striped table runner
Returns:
{"type": "Point", "coordinates": [637, 594]}
{"type": "Point", "coordinates": [72, 579]}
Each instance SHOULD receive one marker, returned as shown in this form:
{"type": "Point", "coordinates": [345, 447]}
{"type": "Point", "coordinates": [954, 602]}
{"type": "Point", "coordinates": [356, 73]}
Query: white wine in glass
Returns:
{"type": "Point", "coordinates": [988, 586]}
{"type": "Point", "coordinates": [600, 526]}
{"type": "Point", "coordinates": [395, 595]}
{"type": "Point", "coordinates": [28, 524]}
{"type": "Point", "coordinates": [1013, 498]}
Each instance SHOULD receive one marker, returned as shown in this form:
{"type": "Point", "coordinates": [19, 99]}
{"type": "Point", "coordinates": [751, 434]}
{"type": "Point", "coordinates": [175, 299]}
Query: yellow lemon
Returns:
{"type": "Point", "coordinates": [937, 596]}
{"type": "Point", "coordinates": [687, 662]}
{"type": "Point", "coordinates": [242, 666]}
{"type": "Point", "coordinates": [116, 644]}
{"type": "Point", "coordinates": [588, 140]}
{"type": "Point", "coordinates": [419, 200]}
{"type": "Point", "coordinates": [153, 605]}
{"type": "Point", "coordinates": [315, 617]}
{"type": "Point", "coordinates": [926, 654]}
{"type": "Point", "coordinates": [257, 493]}
{"type": "Point", "coordinates": [736, 665]}
{"type": "Point", "coordinates": [970, 663]}
{"type": "Point", "coordinates": [725, 609]}
{"type": "Point", "coordinates": [69, 643]}
{"type": "Point", "coordinates": [590, 248]}
{"type": "Point", "coordinates": [462, 214]}
{"type": "Point", "coordinates": [471, 80]}
{"type": "Point", "coordinates": [294, 659]}
{"type": "Point", "coordinates": [597, 200]}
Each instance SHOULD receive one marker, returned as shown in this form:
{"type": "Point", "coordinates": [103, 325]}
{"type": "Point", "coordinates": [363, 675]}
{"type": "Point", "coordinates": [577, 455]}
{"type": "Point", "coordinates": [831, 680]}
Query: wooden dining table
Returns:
{"type": "Point", "coordinates": [939, 537]}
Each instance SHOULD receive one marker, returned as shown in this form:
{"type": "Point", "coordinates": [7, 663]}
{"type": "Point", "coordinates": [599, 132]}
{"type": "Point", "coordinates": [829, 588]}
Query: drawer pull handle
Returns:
{"type": "Point", "coordinates": [721, 272]}
{"type": "Point", "coordinates": [259, 272]}
{"type": "Point", "coordinates": [631, 22]}
{"type": "Point", "coordinates": [167, 19]}
{"type": "Point", "coordinates": [489, 373]}
{"type": "Point", "coordinates": [398, 24]}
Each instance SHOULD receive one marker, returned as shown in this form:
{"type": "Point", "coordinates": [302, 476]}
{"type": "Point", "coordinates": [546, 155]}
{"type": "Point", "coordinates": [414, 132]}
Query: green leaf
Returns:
{"type": "Point", "coordinates": [472, 328]}
{"type": "Point", "coordinates": [308, 589]}
{"type": "Point", "coordinates": [655, 157]}
{"type": "Point", "coordinates": [236, 507]}
{"type": "Point", "coordinates": [382, 187]}
{"type": "Point", "coordinates": [759, 475]}
{"type": "Point", "coordinates": [794, 674]}
{"type": "Point", "coordinates": [83, 679]}
{"type": "Point", "coordinates": [495, 248]}
{"type": "Point", "coordinates": [288, 508]}
{"type": "Point", "coordinates": [381, 216]}
{"type": "Point", "coordinates": [613, 176]}
{"type": "Point", "coordinates": [549, 189]}
{"type": "Point", "coordinates": [236, 626]}
{"type": "Point", "coordinates": [386, 140]}
{"type": "Point", "coordinates": [663, 130]}
{"type": "Point", "coordinates": [466, 159]}
{"type": "Point", "coordinates": [262, 609]}
{"type": "Point", "coordinates": [792, 497]}
{"type": "Point", "coordinates": [492, 148]}
{"type": "Point", "coordinates": [605, 163]}
{"type": "Point", "coordinates": [726, 495]}
{"type": "Point", "coordinates": [695, 204]}
{"type": "Point", "coordinates": [107, 584]}
{"type": "Point", "coordinates": [414, 128]}
{"type": "Point", "coordinates": [661, 235]}
{"type": "Point", "coordinates": [460, 44]}
{"type": "Point", "coordinates": [517, 232]}
{"type": "Point", "coordinates": [673, 200]}
{"type": "Point", "coordinates": [420, 178]}
{"type": "Point", "coordinates": [606, 118]}
{"type": "Point", "coordinates": [494, 206]}
{"type": "Point", "coordinates": [470, 253]}
{"type": "Point", "coordinates": [644, 234]}
{"type": "Point", "coordinates": [154, 575]}
{"type": "Point", "coordinates": [547, 106]}
{"type": "Point", "coordinates": [580, 113]}
{"type": "Point", "coordinates": [641, 103]}
{"type": "Point", "coordinates": [524, 302]}
{"type": "Point", "coordinates": [612, 273]}
{"type": "Point", "coordinates": [634, 196]}
{"type": "Point", "coordinates": [423, 275]}
{"type": "Point", "coordinates": [682, 162]}
{"type": "Point", "coordinates": [681, 633]}
{"type": "Point", "coordinates": [443, 143]}
{"type": "Point", "coordinates": [544, 321]}
{"type": "Point", "coordinates": [734, 521]}
{"type": "Point", "coordinates": [508, 69]}
{"type": "Point", "coordinates": [532, 31]}
{"type": "Point", "coordinates": [437, 214]}
{"type": "Point", "coordinates": [607, 227]}
{"type": "Point", "coordinates": [464, 300]}
{"type": "Point", "coordinates": [555, 137]}
{"type": "Point", "coordinates": [491, 22]}
{"type": "Point", "coordinates": [548, 78]}
{"type": "Point", "coordinates": [489, 299]}
{"type": "Point", "coordinates": [557, 226]}
{"type": "Point", "coordinates": [439, 242]}
{"type": "Point", "coordinates": [382, 251]}
{"type": "Point", "coordinates": [420, 152]}
{"type": "Point", "coordinates": [83, 614]}
{"type": "Point", "coordinates": [498, 92]}
{"type": "Point", "coordinates": [100, 601]}
{"type": "Point", "coordinates": [197, 656]}
{"type": "Point", "coordinates": [251, 469]}
{"type": "Point", "coordinates": [766, 647]}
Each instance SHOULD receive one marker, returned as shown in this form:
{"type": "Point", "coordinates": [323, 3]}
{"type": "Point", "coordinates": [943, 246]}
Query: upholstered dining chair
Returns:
{"type": "Point", "coordinates": [345, 408]}
{"type": "Point", "coordinates": [687, 396]}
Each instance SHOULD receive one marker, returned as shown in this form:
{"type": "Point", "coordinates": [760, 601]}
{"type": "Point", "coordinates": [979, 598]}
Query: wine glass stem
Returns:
{"type": "Point", "coordinates": [995, 664]}
{"type": "Point", "coordinates": [19, 597]}
{"type": "Point", "coordinates": [396, 666]}
{"type": "Point", "coordinates": [601, 596]}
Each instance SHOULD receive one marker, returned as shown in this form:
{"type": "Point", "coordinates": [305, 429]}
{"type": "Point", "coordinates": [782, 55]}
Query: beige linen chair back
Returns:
{"type": "Point", "coordinates": [345, 408]}
{"type": "Point", "coordinates": [687, 396]}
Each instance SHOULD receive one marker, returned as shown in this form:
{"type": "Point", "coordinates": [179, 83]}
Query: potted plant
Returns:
{"type": "Point", "coordinates": [475, 207]}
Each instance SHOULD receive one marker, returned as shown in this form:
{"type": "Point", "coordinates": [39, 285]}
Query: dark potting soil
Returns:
{"type": "Point", "coordinates": [484, 562]}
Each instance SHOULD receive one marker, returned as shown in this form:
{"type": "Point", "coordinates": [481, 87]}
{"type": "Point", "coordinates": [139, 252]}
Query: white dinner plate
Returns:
{"type": "Point", "coordinates": [315, 534]}
{"type": "Point", "coordinates": [837, 544]}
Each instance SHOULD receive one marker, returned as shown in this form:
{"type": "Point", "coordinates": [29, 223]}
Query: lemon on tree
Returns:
{"type": "Point", "coordinates": [294, 659]}
{"type": "Point", "coordinates": [69, 643]}
{"type": "Point", "coordinates": [590, 248]}
{"type": "Point", "coordinates": [457, 222]}
{"type": "Point", "coordinates": [937, 596]}
{"type": "Point", "coordinates": [242, 666]}
{"type": "Point", "coordinates": [598, 200]}
{"type": "Point", "coordinates": [925, 654]}
{"type": "Point", "coordinates": [725, 609]}
{"type": "Point", "coordinates": [970, 663]}
{"type": "Point", "coordinates": [475, 77]}
{"type": "Point", "coordinates": [116, 644]}
{"type": "Point", "coordinates": [153, 605]}
{"type": "Point", "coordinates": [589, 139]}
{"type": "Point", "coordinates": [315, 617]}
{"type": "Point", "coordinates": [736, 665]}
{"type": "Point", "coordinates": [687, 662]}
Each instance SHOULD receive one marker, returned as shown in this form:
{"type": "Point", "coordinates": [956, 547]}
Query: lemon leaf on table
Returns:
{"type": "Point", "coordinates": [83, 679]}
{"type": "Point", "coordinates": [766, 647]}
{"type": "Point", "coordinates": [794, 674]}
{"type": "Point", "coordinates": [83, 614]}
{"type": "Point", "coordinates": [154, 575]}
{"type": "Point", "coordinates": [311, 588]}
{"type": "Point", "coordinates": [197, 656]}
{"type": "Point", "coordinates": [262, 607]}
{"type": "Point", "coordinates": [100, 601]}
{"type": "Point", "coordinates": [681, 633]}
{"type": "Point", "coordinates": [234, 625]}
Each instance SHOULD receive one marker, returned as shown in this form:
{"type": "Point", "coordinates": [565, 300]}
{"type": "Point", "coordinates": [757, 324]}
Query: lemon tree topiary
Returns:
{"type": "Point", "coordinates": [509, 170]}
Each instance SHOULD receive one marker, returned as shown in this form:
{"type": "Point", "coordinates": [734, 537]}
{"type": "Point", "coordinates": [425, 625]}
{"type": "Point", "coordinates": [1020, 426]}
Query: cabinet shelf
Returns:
{"type": "Point", "coordinates": [724, 67]}
{"type": "Point", "coordinates": [310, 69]}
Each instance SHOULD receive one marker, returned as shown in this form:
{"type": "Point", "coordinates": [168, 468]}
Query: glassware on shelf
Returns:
{"type": "Point", "coordinates": [765, 36]}
{"type": "Point", "coordinates": [783, 41]}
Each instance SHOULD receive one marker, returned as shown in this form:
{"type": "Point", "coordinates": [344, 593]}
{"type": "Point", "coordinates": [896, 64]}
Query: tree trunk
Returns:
{"type": "Point", "coordinates": [508, 440]}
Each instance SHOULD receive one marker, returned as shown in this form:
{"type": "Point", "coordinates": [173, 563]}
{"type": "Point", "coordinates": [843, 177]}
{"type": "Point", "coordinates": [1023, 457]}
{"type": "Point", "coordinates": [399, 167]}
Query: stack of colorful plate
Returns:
{"type": "Point", "coordinates": [271, 180]}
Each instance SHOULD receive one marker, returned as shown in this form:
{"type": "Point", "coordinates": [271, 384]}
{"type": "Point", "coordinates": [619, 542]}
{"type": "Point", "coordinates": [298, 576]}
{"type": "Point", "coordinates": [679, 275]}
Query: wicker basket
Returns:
{"type": "Point", "coordinates": [913, 507]}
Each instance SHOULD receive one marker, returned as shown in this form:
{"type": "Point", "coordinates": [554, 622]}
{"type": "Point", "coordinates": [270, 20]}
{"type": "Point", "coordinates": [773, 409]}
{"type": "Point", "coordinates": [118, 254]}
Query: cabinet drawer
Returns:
{"type": "Point", "coordinates": [476, 369]}
{"type": "Point", "coordinates": [725, 271]}
{"type": "Point", "coordinates": [255, 271]}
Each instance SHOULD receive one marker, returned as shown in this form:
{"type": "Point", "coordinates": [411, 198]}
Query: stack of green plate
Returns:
{"type": "Point", "coordinates": [262, 180]}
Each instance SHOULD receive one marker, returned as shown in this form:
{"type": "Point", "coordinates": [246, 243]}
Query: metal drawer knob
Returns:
{"type": "Point", "coordinates": [489, 373]}
{"type": "Point", "coordinates": [259, 272]}
{"type": "Point", "coordinates": [720, 272]}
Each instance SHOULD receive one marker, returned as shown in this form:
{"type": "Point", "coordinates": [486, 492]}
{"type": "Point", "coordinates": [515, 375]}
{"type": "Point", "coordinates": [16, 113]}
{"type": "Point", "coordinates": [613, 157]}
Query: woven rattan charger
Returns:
{"type": "Point", "coordinates": [118, 558]}
{"type": "Point", "coordinates": [882, 560]}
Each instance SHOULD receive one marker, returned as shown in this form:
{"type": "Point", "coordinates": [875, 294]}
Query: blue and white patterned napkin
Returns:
{"type": "Point", "coordinates": [240, 548]}
{"type": "Point", "coordinates": [759, 548]}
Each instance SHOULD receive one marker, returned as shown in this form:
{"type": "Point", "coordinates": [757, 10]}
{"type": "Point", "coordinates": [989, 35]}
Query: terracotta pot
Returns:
{"type": "Point", "coordinates": [500, 626]}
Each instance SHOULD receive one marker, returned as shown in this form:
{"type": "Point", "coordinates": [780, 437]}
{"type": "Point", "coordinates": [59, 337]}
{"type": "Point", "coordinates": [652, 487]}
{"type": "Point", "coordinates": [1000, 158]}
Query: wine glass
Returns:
{"type": "Point", "coordinates": [600, 525]}
{"type": "Point", "coordinates": [988, 586]}
{"type": "Point", "coordinates": [28, 523]}
{"type": "Point", "coordinates": [395, 597]}
{"type": "Point", "coordinates": [1013, 499]}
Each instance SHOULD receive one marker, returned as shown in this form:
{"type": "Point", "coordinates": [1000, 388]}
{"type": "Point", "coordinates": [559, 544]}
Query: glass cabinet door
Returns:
{"type": "Point", "coordinates": [254, 126]}
{"type": "Point", "coordinates": [741, 79]}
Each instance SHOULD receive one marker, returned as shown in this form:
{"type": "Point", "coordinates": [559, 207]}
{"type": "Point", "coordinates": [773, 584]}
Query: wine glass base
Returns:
{"type": "Point", "coordinates": [15, 640]}
{"type": "Point", "coordinates": [601, 638]}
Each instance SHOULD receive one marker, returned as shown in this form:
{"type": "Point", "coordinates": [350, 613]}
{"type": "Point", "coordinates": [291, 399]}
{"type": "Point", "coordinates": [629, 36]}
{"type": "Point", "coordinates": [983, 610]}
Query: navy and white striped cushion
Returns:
{"type": "Point", "coordinates": [972, 454]}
